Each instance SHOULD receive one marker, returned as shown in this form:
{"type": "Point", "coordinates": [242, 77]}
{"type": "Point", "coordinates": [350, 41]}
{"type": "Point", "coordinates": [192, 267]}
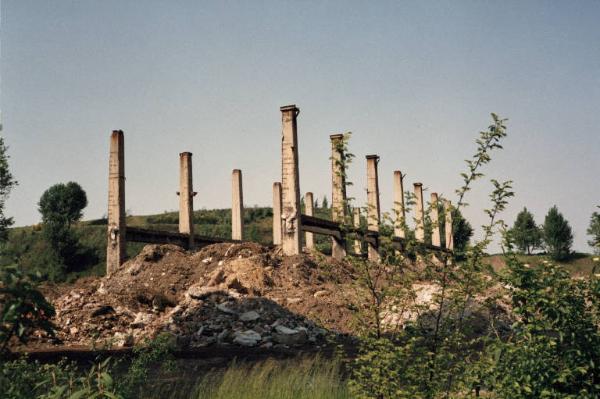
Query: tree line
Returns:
{"type": "Point", "coordinates": [554, 236]}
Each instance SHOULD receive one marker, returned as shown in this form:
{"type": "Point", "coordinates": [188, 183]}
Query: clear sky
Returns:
{"type": "Point", "coordinates": [414, 82]}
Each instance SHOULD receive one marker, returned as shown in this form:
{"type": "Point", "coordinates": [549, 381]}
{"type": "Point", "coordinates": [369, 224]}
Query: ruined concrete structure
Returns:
{"type": "Point", "coordinates": [448, 225]}
{"type": "Point", "coordinates": [237, 206]}
{"type": "Point", "coordinates": [420, 213]}
{"type": "Point", "coordinates": [276, 213]}
{"type": "Point", "coordinates": [338, 192]}
{"type": "Point", "coordinates": [373, 211]}
{"type": "Point", "coordinates": [290, 226]}
{"type": "Point", "coordinates": [186, 196]}
{"type": "Point", "coordinates": [291, 237]}
{"type": "Point", "coordinates": [435, 221]}
{"type": "Point", "coordinates": [357, 242]}
{"type": "Point", "coordinates": [400, 214]}
{"type": "Point", "coordinates": [309, 238]}
{"type": "Point", "coordinates": [115, 249]}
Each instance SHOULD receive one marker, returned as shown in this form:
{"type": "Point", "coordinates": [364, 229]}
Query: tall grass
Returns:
{"type": "Point", "coordinates": [310, 378]}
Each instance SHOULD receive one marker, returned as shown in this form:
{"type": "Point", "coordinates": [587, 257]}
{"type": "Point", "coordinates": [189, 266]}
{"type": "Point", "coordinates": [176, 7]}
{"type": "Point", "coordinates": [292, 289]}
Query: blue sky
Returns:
{"type": "Point", "coordinates": [413, 81]}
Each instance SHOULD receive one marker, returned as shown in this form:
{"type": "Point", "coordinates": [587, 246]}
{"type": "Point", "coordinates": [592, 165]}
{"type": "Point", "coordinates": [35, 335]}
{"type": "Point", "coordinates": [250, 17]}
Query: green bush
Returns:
{"type": "Point", "coordinates": [554, 348]}
{"type": "Point", "coordinates": [23, 309]}
{"type": "Point", "coordinates": [22, 379]}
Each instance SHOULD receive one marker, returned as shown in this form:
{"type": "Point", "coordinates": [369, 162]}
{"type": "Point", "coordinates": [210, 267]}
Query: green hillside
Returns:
{"type": "Point", "coordinates": [27, 246]}
{"type": "Point", "coordinates": [578, 264]}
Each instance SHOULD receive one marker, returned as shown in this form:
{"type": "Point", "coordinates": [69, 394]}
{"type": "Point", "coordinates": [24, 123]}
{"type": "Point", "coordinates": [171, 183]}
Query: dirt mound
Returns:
{"type": "Point", "coordinates": [224, 294]}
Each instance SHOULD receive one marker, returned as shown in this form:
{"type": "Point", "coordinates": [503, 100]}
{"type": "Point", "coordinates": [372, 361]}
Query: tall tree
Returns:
{"type": "Point", "coordinates": [525, 233]}
{"type": "Point", "coordinates": [61, 205]}
{"type": "Point", "coordinates": [557, 234]}
{"type": "Point", "coordinates": [594, 232]}
{"type": "Point", "coordinates": [7, 183]}
{"type": "Point", "coordinates": [324, 203]}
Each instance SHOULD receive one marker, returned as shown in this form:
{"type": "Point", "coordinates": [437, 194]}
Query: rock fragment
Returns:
{"type": "Point", "coordinates": [247, 338]}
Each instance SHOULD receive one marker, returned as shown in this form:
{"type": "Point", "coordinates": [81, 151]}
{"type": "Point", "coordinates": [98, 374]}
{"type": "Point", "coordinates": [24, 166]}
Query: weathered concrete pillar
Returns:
{"type": "Point", "coordinates": [373, 212]}
{"type": "Point", "coordinates": [435, 221]}
{"type": "Point", "coordinates": [309, 237]}
{"type": "Point", "coordinates": [338, 192]}
{"type": "Point", "coordinates": [420, 216]}
{"type": "Point", "coordinates": [237, 206]}
{"type": "Point", "coordinates": [290, 183]}
{"type": "Point", "coordinates": [116, 243]}
{"type": "Point", "coordinates": [448, 225]}
{"type": "Point", "coordinates": [357, 242]}
{"type": "Point", "coordinates": [186, 196]}
{"type": "Point", "coordinates": [276, 213]}
{"type": "Point", "coordinates": [399, 205]}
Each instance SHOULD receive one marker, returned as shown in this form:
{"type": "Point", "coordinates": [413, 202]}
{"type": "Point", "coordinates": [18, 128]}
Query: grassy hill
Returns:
{"type": "Point", "coordinates": [579, 265]}
{"type": "Point", "coordinates": [27, 246]}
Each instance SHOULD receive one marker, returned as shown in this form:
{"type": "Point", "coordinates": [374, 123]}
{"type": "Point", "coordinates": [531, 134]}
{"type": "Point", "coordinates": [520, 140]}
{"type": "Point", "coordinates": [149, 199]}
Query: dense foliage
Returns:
{"type": "Point", "coordinates": [7, 183]}
{"type": "Point", "coordinates": [553, 350]}
{"type": "Point", "coordinates": [62, 204]}
{"type": "Point", "coordinates": [23, 309]}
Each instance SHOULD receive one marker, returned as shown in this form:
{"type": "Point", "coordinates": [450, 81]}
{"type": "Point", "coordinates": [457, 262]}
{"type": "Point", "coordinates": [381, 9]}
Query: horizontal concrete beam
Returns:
{"type": "Point", "coordinates": [137, 234]}
{"type": "Point", "coordinates": [327, 227]}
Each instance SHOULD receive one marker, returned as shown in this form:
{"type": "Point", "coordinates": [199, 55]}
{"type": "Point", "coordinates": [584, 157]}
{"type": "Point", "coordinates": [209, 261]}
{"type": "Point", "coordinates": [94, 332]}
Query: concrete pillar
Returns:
{"type": "Point", "coordinates": [373, 212]}
{"type": "Point", "coordinates": [399, 205]}
{"type": "Point", "coordinates": [420, 216]}
{"type": "Point", "coordinates": [435, 221]}
{"type": "Point", "coordinates": [237, 206]}
{"type": "Point", "coordinates": [186, 196]}
{"type": "Point", "coordinates": [357, 243]}
{"type": "Point", "coordinates": [309, 237]}
{"type": "Point", "coordinates": [116, 244]}
{"type": "Point", "coordinates": [290, 183]}
{"type": "Point", "coordinates": [338, 192]}
{"type": "Point", "coordinates": [448, 225]}
{"type": "Point", "coordinates": [277, 213]}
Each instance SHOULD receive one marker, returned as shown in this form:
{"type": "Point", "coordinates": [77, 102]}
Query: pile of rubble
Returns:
{"type": "Point", "coordinates": [229, 295]}
{"type": "Point", "coordinates": [225, 294]}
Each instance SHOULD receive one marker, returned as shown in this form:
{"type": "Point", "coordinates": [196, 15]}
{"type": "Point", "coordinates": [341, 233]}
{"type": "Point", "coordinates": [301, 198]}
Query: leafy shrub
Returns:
{"type": "Point", "coordinates": [22, 379]}
{"type": "Point", "coordinates": [554, 348]}
{"type": "Point", "coordinates": [23, 309]}
{"type": "Point", "coordinates": [145, 356]}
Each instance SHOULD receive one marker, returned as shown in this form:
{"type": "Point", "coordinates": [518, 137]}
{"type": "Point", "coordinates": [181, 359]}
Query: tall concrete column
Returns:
{"type": "Point", "coordinates": [448, 225]}
{"type": "Point", "coordinates": [186, 196]}
{"type": "Point", "coordinates": [420, 216]}
{"type": "Point", "coordinates": [116, 244]}
{"type": "Point", "coordinates": [373, 212]}
{"type": "Point", "coordinates": [290, 183]}
{"type": "Point", "coordinates": [357, 243]}
{"type": "Point", "coordinates": [399, 205]}
{"type": "Point", "coordinates": [309, 237]}
{"type": "Point", "coordinates": [237, 206]}
{"type": "Point", "coordinates": [276, 213]}
{"type": "Point", "coordinates": [338, 192]}
{"type": "Point", "coordinates": [435, 221]}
